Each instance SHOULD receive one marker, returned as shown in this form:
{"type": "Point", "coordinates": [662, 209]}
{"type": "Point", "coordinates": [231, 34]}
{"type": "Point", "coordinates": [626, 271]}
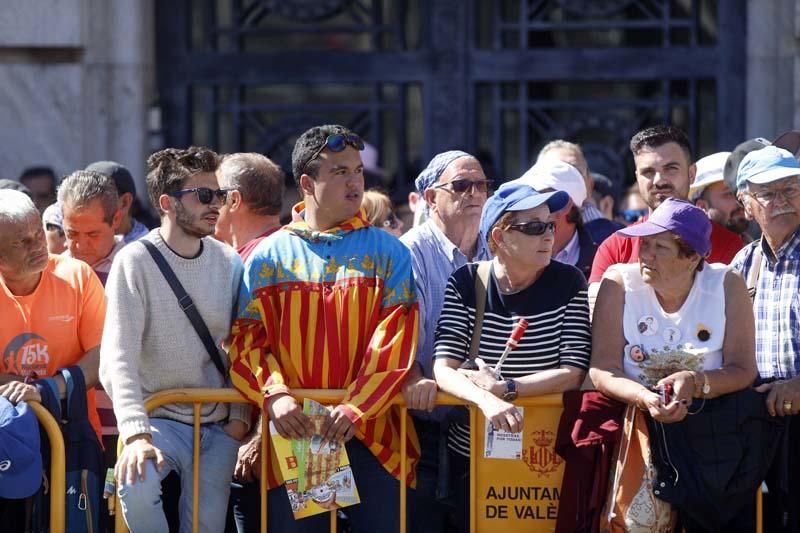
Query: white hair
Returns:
{"type": "Point", "coordinates": [15, 207]}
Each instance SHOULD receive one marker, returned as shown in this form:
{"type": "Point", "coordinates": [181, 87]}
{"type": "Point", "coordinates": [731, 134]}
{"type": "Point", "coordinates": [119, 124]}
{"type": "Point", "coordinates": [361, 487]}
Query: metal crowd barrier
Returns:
{"type": "Point", "coordinates": [57, 466]}
{"type": "Point", "coordinates": [327, 397]}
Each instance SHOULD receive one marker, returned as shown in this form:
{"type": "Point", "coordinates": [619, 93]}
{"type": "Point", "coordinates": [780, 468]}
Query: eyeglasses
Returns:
{"type": "Point", "coordinates": [461, 186]}
{"type": "Point", "coordinates": [204, 194]}
{"type": "Point", "coordinates": [768, 196]}
{"type": "Point", "coordinates": [534, 227]}
{"type": "Point", "coordinates": [391, 221]}
{"type": "Point", "coordinates": [54, 227]}
{"type": "Point", "coordinates": [337, 143]}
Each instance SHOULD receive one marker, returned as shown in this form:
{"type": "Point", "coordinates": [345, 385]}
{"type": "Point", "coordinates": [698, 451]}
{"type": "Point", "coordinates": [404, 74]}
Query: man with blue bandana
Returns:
{"type": "Point", "coordinates": [454, 187]}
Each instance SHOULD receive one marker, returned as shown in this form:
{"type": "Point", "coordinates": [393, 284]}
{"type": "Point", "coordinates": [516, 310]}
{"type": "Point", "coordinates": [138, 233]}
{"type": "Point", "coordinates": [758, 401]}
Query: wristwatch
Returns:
{"type": "Point", "coordinates": [511, 391]}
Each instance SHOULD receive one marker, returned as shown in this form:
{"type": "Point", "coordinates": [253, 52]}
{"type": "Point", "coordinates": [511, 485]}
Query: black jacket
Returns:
{"type": "Point", "coordinates": [711, 464]}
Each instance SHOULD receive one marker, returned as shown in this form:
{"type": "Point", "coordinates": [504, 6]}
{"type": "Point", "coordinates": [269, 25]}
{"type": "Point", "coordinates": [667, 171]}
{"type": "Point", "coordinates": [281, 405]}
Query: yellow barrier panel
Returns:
{"type": "Point", "coordinates": [519, 493]}
{"type": "Point", "coordinates": [57, 466]}
{"type": "Point", "coordinates": [483, 473]}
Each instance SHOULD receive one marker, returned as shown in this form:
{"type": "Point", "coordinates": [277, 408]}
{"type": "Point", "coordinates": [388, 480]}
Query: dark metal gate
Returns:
{"type": "Point", "coordinates": [414, 77]}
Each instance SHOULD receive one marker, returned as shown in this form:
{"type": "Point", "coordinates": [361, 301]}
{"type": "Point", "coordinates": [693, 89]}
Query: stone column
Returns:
{"type": "Point", "coordinates": [773, 67]}
{"type": "Point", "coordinates": [76, 77]}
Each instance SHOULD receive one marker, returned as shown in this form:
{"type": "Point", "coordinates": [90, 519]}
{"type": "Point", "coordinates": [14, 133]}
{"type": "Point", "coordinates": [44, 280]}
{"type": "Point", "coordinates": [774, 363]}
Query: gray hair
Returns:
{"type": "Point", "coordinates": [561, 144]}
{"type": "Point", "coordinates": [15, 207]}
{"type": "Point", "coordinates": [260, 181]}
{"type": "Point", "coordinates": [82, 187]}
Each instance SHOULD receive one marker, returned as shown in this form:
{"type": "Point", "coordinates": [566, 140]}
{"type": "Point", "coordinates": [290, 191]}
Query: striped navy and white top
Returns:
{"type": "Point", "coordinates": [558, 333]}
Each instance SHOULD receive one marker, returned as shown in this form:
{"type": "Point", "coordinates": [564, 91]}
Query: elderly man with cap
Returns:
{"type": "Point", "coordinates": [769, 184]}
{"type": "Point", "coordinates": [130, 228]}
{"type": "Point", "coordinates": [455, 188]}
{"type": "Point", "coordinates": [710, 193]}
{"type": "Point", "coordinates": [573, 244]}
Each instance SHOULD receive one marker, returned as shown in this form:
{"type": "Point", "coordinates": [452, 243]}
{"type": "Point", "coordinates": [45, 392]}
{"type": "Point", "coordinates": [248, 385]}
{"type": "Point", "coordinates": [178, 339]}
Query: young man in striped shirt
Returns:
{"type": "Point", "coordinates": [328, 302]}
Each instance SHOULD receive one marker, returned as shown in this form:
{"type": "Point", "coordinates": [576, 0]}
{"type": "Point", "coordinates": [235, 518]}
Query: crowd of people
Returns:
{"type": "Point", "coordinates": [676, 324]}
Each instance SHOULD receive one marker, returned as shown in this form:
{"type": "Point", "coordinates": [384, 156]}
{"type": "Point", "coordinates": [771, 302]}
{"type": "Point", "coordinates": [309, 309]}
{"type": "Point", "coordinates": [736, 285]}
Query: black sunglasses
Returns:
{"type": "Point", "coordinates": [54, 227]}
{"type": "Point", "coordinates": [534, 227]}
{"type": "Point", "coordinates": [204, 194]}
{"type": "Point", "coordinates": [337, 143]}
{"type": "Point", "coordinates": [461, 186]}
{"type": "Point", "coordinates": [391, 221]}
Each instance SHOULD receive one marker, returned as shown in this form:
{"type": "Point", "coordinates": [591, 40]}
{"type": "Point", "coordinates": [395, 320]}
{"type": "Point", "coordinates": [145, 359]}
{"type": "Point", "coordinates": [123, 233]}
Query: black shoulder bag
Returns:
{"type": "Point", "coordinates": [187, 305]}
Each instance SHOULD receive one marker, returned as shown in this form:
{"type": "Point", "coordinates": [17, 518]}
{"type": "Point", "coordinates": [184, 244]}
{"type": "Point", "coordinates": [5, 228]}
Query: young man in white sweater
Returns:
{"type": "Point", "coordinates": [149, 345]}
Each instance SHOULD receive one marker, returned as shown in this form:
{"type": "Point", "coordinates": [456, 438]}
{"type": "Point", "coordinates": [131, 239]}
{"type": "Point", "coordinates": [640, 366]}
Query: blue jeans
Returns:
{"type": "Point", "coordinates": [141, 501]}
{"type": "Point", "coordinates": [378, 512]}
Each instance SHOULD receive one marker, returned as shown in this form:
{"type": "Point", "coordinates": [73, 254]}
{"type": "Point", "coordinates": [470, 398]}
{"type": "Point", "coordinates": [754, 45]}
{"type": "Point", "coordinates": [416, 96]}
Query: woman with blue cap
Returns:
{"type": "Point", "coordinates": [669, 332]}
{"type": "Point", "coordinates": [520, 286]}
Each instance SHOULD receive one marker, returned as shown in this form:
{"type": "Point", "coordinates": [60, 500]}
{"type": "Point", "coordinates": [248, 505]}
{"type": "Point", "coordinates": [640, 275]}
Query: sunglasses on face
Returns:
{"type": "Point", "coordinates": [461, 186]}
{"type": "Point", "coordinates": [391, 221]}
{"type": "Point", "coordinates": [204, 194]}
{"type": "Point", "coordinates": [53, 227]}
{"type": "Point", "coordinates": [632, 215]}
{"type": "Point", "coordinates": [534, 227]}
{"type": "Point", "coordinates": [337, 143]}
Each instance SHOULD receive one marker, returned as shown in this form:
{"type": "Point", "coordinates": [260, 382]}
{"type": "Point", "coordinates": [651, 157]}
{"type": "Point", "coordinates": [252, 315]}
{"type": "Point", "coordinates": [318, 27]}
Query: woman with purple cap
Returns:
{"type": "Point", "coordinates": [521, 300]}
{"type": "Point", "coordinates": [669, 332]}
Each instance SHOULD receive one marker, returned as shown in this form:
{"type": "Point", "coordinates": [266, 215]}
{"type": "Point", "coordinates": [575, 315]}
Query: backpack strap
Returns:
{"type": "Point", "coordinates": [77, 407]}
{"type": "Point", "coordinates": [51, 399]}
{"type": "Point", "coordinates": [755, 271]}
{"type": "Point", "coordinates": [481, 283]}
{"type": "Point", "coordinates": [187, 305]}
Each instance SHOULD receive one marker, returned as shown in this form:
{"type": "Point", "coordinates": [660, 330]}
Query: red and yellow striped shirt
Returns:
{"type": "Point", "coordinates": [331, 310]}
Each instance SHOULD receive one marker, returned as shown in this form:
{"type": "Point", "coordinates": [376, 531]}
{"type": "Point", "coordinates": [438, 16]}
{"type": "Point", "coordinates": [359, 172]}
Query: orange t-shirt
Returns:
{"type": "Point", "coordinates": [54, 326]}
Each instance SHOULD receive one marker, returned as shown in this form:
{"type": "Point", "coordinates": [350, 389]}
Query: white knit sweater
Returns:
{"type": "Point", "coordinates": [149, 344]}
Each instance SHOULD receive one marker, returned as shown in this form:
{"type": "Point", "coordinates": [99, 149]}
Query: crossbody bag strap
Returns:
{"type": "Point", "coordinates": [187, 305]}
{"type": "Point", "coordinates": [481, 284]}
{"type": "Point", "coordinates": [755, 271]}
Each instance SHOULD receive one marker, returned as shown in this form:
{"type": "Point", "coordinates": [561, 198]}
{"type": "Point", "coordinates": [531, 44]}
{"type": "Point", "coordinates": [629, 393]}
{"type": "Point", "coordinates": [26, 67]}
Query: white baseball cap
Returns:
{"type": "Point", "coordinates": [557, 175]}
{"type": "Point", "coordinates": [709, 170]}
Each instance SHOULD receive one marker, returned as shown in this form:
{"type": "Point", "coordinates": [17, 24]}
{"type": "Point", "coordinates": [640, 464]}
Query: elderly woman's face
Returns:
{"type": "Point", "coordinates": [519, 244]}
{"type": "Point", "coordinates": [660, 263]}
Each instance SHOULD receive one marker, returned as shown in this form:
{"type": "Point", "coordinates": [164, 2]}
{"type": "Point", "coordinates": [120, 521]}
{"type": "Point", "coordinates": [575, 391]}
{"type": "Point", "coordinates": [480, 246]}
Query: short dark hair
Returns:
{"type": "Point", "coordinates": [168, 169]}
{"type": "Point", "coordinates": [574, 216]}
{"type": "Point", "coordinates": [309, 143]}
{"type": "Point", "coordinates": [31, 172]}
{"type": "Point", "coordinates": [660, 135]}
{"type": "Point", "coordinates": [259, 179]}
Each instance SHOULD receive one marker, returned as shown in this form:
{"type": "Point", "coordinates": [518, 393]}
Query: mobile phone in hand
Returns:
{"type": "Point", "coordinates": [666, 393]}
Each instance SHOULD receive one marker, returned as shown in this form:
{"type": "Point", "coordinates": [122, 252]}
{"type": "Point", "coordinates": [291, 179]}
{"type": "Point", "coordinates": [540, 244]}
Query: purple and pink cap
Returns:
{"type": "Point", "coordinates": [688, 222]}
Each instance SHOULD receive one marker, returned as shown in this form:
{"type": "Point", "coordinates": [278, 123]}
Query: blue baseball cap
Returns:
{"type": "Point", "coordinates": [688, 222]}
{"type": "Point", "coordinates": [20, 458]}
{"type": "Point", "coordinates": [766, 165]}
{"type": "Point", "coordinates": [517, 196]}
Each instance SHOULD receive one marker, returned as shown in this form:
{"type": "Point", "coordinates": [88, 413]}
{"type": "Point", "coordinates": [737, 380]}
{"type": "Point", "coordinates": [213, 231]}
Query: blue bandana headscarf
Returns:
{"type": "Point", "coordinates": [436, 167]}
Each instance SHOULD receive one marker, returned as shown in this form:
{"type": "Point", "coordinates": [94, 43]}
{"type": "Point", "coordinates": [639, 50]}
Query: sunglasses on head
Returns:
{"type": "Point", "coordinates": [337, 143]}
{"type": "Point", "coordinates": [461, 186]}
{"type": "Point", "coordinates": [534, 227]}
{"type": "Point", "coordinates": [204, 194]}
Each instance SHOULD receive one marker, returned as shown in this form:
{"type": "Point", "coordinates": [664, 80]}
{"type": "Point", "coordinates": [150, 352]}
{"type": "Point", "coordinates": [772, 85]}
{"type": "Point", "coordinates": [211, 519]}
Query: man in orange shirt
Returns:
{"type": "Point", "coordinates": [52, 308]}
